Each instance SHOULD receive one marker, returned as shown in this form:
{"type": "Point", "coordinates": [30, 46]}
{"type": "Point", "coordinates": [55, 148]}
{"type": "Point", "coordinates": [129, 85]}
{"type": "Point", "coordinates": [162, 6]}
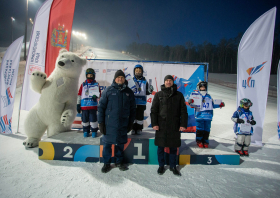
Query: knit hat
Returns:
{"type": "Point", "coordinates": [168, 77]}
{"type": "Point", "coordinates": [119, 73]}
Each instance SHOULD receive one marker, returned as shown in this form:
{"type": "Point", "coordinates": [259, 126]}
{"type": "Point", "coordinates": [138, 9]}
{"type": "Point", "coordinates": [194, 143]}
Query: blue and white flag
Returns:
{"type": "Point", "coordinates": [36, 54]}
{"type": "Point", "coordinates": [8, 83]}
{"type": "Point", "coordinates": [253, 68]}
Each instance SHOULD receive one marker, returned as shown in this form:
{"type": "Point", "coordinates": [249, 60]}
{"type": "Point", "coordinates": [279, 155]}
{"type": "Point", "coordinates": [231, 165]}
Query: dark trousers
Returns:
{"type": "Point", "coordinates": [202, 136]}
{"type": "Point", "coordinates": [172, 156]}
{"type": "Point", "coordinates": [203, 130]}
{"type": "Point", "coordinates": [139, 117]}
{"type": "Point", "coordinates": [89, 120]}
{"type": "Point", "coordinates": [107, 153]}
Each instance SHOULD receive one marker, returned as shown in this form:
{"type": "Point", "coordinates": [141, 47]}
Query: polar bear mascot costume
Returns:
{"type": "Point", "coordinates": [56, 109]}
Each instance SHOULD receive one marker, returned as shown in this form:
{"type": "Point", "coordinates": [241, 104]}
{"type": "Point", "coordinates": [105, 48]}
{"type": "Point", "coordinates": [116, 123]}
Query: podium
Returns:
{"type": "Point", "coordinates": [140, 149]}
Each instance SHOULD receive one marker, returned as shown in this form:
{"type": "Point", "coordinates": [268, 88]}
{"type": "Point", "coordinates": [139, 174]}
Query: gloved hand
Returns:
{"type": "Point", "coordinates": [240, 121]}
{"type": "Point", "coordinates": [102, 128]}
{"type": "Point", "coordinates": [222, 104]}
{"type": "Point", "coordinates": [190, 101]}
{"type": "Point", "coordinates": [129, 127]}
{"type": "Point", "coordinates": [79, 108]}
{"type": "Point", "coordinates": [150, 89]}
{"type": "Point", "coordinates": [253, 122]}
{"type": "Point", "coordinates": [94, 97]}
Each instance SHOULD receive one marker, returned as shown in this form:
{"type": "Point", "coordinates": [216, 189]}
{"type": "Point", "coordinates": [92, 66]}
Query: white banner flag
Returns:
{"type": "Point", "coordinates": [36, 55]}
{"type": "Point", "coordinates": [278, 99]}
{"type": "Point", "coordinates": [8, 83]}
{"type": "Point", "coordinates": [253, 68]}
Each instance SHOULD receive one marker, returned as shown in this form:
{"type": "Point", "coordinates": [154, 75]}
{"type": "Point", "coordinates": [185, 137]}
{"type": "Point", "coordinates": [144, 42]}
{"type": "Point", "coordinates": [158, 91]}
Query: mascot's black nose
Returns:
{"type": "Point", "coordinates": [61, 63]}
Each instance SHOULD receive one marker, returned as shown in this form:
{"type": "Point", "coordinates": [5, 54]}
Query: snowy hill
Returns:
{"type": "Point", "coordinates": [22, 174]}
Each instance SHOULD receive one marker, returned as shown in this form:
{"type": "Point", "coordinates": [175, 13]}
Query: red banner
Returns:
{"type": "Point", "coordinates": [59, 32]}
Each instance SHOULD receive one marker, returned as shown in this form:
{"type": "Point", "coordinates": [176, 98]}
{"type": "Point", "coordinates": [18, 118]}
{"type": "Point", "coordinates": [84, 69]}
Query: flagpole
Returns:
{"type": "Point", "coordinates": [20, 105]}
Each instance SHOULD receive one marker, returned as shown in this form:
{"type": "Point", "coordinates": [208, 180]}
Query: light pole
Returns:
{"type": "Point", "coordinates": [12, 18]}
{"type": "Point", "coordinates": [31, 21]}
{"type": "Point", "coordinates": [25, 33]}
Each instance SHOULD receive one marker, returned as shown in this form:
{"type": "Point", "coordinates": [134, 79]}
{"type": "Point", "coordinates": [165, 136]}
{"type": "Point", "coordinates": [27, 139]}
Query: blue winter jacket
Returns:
{"type": "Point", "coordinates": [207, 114]}
{"type": "Point", "coordinates": [117, 109]}
{"type": "Point", "coordinates": [237, 114]}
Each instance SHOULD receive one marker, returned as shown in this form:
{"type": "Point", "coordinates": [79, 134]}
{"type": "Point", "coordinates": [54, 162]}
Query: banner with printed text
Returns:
{"type": "Point", "coordinates": [36, 55]}
{"type": "Point", "coordinates": [186, 77]}
{"type": "Point", "coordinates": [253, 68]}
{"type": "Point", "coordinates": [8, 82]}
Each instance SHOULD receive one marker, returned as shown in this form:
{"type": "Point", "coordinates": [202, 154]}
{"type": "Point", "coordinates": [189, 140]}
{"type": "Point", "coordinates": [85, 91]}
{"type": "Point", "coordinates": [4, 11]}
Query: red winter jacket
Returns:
{"type": "Point", "coordinates": [80, 93]}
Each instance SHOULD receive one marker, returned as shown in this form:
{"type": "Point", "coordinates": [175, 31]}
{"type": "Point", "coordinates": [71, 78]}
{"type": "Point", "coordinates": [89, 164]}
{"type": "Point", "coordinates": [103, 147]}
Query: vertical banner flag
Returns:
{"type": "Point", "coordinates": [253, 68]}
{"type": "Point", "coordinates": [59, 32]}
{"type": "Point", "coordinates": [36, 55]}
{"type": "Point", "coordinates": [186, 76]}
{"type": "Point", "coordinates": [278, 99]}
{"type": "Point", "coordinates": [8, 82]}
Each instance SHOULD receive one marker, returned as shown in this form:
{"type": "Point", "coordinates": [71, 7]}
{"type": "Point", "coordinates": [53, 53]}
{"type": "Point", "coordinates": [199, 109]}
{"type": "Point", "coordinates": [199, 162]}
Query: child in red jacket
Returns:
{"type": "Point", "coordinates": [87, 103]}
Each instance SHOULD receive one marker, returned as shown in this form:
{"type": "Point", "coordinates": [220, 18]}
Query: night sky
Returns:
{"type": "Point", "coordinates": [114, 24]}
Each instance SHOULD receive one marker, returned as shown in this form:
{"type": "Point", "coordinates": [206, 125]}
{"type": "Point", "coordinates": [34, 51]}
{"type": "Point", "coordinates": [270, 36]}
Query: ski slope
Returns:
{"type": "Point", "coordinates": [22, 174]}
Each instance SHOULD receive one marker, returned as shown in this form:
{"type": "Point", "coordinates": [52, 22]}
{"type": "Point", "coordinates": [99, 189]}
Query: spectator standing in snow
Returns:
{"type": "Point", "coordinates": [116, 113]}
{"type": "Point", "coordinates": [169, 116]}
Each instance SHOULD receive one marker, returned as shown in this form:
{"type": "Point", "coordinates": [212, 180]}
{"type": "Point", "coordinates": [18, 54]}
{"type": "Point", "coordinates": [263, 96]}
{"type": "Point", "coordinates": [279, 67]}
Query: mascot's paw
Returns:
{"type": "Point", "coordinates": [66, 118]}
{"type": "Point", "coordinates": [38, 79]}
{"type": "Point", "coordinates": [31, 142]}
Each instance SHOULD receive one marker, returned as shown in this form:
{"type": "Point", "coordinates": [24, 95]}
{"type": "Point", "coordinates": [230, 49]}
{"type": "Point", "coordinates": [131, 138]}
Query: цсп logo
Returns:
{"type": "Point", "coordinates": [251, 71]}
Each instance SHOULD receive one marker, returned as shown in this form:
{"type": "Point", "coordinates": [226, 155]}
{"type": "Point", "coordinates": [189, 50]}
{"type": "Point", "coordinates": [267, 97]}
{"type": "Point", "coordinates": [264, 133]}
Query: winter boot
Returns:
{"type": "Point", "coordinates": [86, 134]}
{"type": "Point", "coordinates": [133, 132]}
{"type": "Point", "coordinates": [246, 153]}
{"type": "Point", "coordinates": [106, 168]}
{"type": "Point", "coordinates": [199, 144]}
{"type": "Point", "coordinates": [240, 152]}
{"type": "Point", "coordinates": [205, 145]}
{"type": "Point", "coordinates": [161, 170]}
{"type": "Point", "coordinates": [121, 166]}
{"type": "Point", "coordinates": [94, 134]}
{"type": "Point", "coordinates": [175, 171]}
{"type": "Point", "coordinates": [139, 132]}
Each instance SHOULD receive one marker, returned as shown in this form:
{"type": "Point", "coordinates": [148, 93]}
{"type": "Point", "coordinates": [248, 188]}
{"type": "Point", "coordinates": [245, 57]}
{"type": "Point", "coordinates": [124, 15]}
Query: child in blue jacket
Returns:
{"type": "Point", "coordinates": [243, 129]}
{"type": "Point", "coordinates": [143, 88]}
{"type": "Point", "coordinates": [204, 115]}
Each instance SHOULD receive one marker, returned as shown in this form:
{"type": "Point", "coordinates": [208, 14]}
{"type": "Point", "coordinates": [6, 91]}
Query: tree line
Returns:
{"type": "Point", "coordinates": [222, 57]}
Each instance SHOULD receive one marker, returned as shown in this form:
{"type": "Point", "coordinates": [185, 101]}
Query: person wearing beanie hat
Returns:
{"type": "Point", "coordinates": [116, 113]}
{"type": "Point", "coordinates": [87, 103]}
{"type": "Point", "coordinates": [169, 117]}
{"type": "Point", "coordinates": [140, 92]}
{"type": "Point", "coordinates": [168, 77]}
{"type": "Point", "coordinates": [119, 73]}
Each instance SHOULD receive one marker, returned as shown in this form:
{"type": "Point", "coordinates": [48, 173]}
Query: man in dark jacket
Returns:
{"type": "Point", "coordinates": [169, 116]}
{"type": "Point", "coordinates": [116, 113]}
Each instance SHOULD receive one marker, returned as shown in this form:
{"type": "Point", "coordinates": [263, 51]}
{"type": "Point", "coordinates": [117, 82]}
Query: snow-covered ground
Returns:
{"type": "Point", "coordinates": [22, 174]}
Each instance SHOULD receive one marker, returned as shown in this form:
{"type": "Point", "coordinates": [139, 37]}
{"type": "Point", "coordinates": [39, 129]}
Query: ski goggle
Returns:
{"type": "Point", "coordinates": [247, 104]}
{"type": "Point", "coordinates": [202, 85]}
{"type": "Point", "coordinates": [89, 71]}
